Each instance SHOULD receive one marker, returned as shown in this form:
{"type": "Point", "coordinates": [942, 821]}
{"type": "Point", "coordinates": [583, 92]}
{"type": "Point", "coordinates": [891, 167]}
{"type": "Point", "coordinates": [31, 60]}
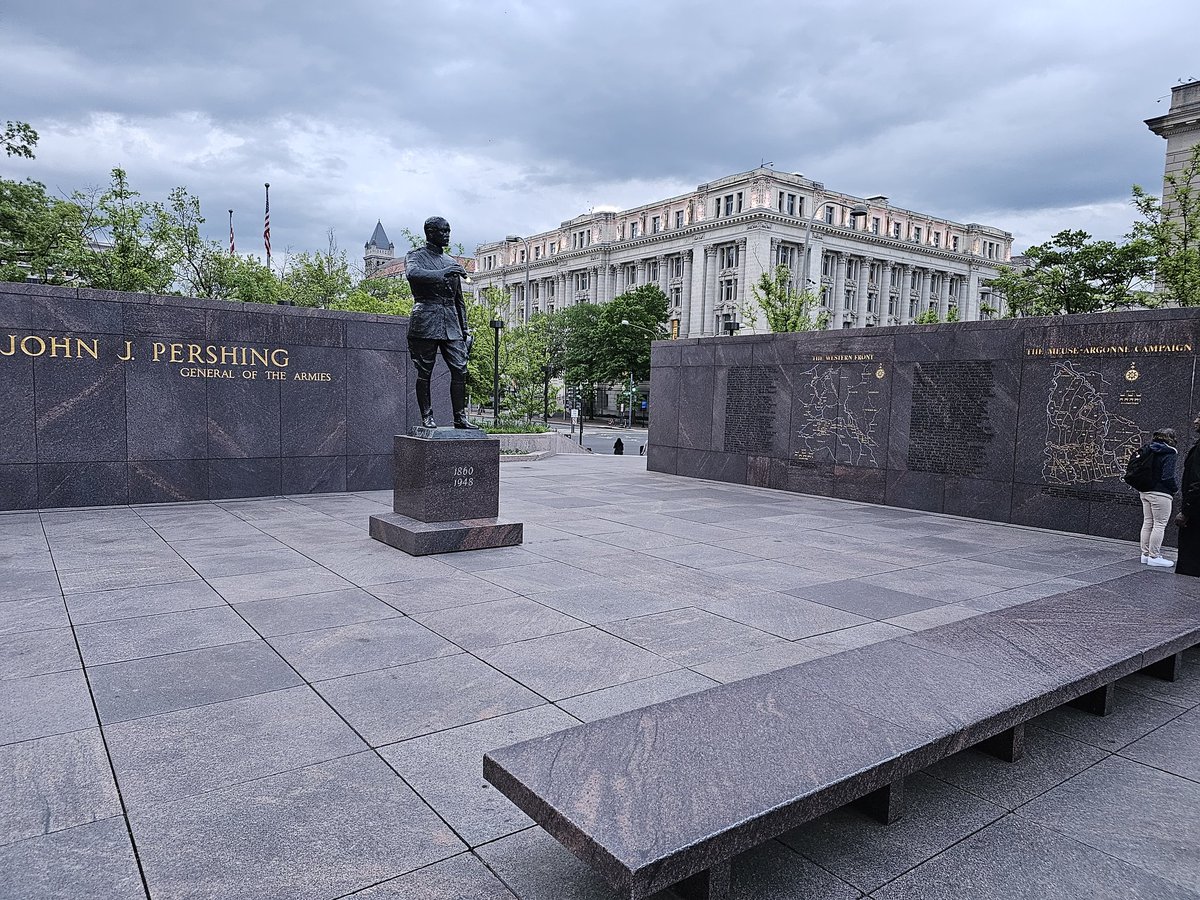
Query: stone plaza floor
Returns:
{"type": "Point", "coordinates": [252, 699]}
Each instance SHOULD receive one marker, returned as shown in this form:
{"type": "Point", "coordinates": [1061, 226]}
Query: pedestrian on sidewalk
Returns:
{"type": "Point", "coordinates": [1188, 519]}
{"type": "Point", "coordinates": [1152, 473]}
{"type": "Point", "coordinates": [618, 447]}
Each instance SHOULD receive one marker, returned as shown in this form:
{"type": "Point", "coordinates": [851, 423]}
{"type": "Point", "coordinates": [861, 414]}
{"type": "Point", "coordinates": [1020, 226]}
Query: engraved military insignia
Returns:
{"type": "Point", "coordinates": [879, 373]}
{"type": "Point", "coordinates": [1133, 374]}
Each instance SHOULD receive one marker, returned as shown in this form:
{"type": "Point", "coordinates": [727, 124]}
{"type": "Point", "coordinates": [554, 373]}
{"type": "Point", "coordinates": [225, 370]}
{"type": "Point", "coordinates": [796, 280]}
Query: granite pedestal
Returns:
{"type": "Point", "coordinates": [447, 494]}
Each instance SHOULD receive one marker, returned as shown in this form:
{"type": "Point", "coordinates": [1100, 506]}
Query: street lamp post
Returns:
{"type": "Point", "coordinates": [496, 324]}
{"type": "Point", "coordinates": [513, 239]}
{"type": "Point", "coordinates": [546, 396]}
{"type": "Point", "coordinates": [653, 334]}
{"type": "Point", "coordinates": [857, 211]}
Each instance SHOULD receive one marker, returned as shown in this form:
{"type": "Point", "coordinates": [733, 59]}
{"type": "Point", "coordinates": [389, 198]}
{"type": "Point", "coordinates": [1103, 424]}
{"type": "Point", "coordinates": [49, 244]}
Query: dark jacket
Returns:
{"type": "Point", "coordinates": [1164, 469]}
{"type": "Point", "coordinates": [1190, 501]}
{"type": "Point", "coordinates": [438, 313]}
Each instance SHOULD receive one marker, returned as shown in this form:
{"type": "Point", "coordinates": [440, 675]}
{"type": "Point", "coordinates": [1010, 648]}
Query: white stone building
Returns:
{"type": "Point", "coordinates": [1180, 126]}
{"type": "Point", "coordinates": [876, 264]}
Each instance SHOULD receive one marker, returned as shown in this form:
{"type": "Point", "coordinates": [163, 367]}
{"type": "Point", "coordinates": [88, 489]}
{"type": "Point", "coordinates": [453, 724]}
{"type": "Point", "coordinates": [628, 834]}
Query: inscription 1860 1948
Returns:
{"type": "Point", "coordinates": [750, 410]}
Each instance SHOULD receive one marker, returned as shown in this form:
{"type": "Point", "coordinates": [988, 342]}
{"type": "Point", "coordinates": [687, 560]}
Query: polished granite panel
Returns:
{"type": "Point", "coordinates": [313, 413]}
{"type": "Point", "coordinates": [445, 479]}
{"type": "Point", "coordinates": [17, 433]}
{"type": "Point", "coordinates": [80, 406]}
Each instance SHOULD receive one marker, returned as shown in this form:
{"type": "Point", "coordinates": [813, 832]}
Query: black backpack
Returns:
{"type": "Point", "coordinates": [1139, 471]}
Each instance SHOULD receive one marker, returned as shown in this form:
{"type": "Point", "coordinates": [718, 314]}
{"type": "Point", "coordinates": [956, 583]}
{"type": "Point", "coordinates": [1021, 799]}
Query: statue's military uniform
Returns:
{"type": "Point", "coordinates": [438, 322]}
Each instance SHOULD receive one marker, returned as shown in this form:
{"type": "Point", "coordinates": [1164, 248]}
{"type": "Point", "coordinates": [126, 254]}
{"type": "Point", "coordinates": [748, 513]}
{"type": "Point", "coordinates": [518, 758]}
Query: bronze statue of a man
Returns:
{"type": "Point", "coordinates": [439, 320]}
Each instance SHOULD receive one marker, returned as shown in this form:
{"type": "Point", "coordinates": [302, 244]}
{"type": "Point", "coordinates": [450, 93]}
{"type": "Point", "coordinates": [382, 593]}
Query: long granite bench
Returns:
{"type": "Point", "coordinates": [668, 795]}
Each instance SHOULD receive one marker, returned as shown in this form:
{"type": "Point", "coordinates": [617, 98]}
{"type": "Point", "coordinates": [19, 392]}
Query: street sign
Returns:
{"type": "Point", "coordinates": [574, 415]}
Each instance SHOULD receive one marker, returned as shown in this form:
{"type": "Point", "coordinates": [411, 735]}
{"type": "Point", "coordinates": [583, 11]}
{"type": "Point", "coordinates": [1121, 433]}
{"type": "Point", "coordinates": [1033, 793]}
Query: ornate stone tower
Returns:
{"type": "Point", "coordinates": [379, 251]}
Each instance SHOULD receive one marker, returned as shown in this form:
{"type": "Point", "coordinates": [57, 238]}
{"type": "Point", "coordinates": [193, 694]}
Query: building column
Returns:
{"type": "Point", "coordinates": [864, 289]}
{"type": "Point", "coordinates": [904, 271]}
{"type": "Point", "coordinates": [944, 296]}
{"type": "Point", "coordinates": [611, 282]}
{"type": "Point", "coordinates": [595, 293]}
{"type": "Point", "coordinates": [663, 280]}
{"type": "Point", "coordinates": [838, 300]}
{"type": "Point", "coordinates": [685, 325]}
{"type": "Point", "coordinates": [971, 294]}
{"type": "Point", "coordinates": [709, 298]}
{"type": "Point", "coordinates": [885, 292]}
{"type": "Point", "coordinates": [923, 302]}
{"type": "Point", "coordinates": [641, 271]}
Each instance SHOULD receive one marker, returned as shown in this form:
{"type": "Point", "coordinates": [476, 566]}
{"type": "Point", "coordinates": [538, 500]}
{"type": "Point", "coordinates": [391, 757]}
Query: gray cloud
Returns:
{"type": "Point", "coordinates": [511, 118]}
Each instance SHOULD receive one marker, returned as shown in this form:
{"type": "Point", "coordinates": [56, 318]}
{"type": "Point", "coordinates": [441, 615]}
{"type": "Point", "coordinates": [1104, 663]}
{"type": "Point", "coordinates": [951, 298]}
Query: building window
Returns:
{"type": "Point", "coordinates": [827, 265]}
{"type": "Point", "coordinates": [679, 218]}
{"type": "Point", "coordinates": [553, 247]}
{"type": "Point", "coordinates": [676, 267]}
{"type": "Point", "coordinates": [521, 255]}
{"type": "Point", "coordinates": [537, 252]}
{"type": "Point", "coordinates": [728, 257]}
{"type": "Point", "coordinates": [937, 239]}
{"type": "Point", "coordinates": [897, 229]}
{"type": "Point", "coordinates": [633, 229]}
{"type": "Point", "coordinates": [875, 225]}
{"type": "Point", "coordinates": [549, 288]}
{"type": "Point", "coordinates": [954, 243]}
{"type": "Point", "coordinates": [916, 235]}
{"type": "Point", "coordinates": [676, 296]}
{"type": "Point", "coordinates": [652, 270]}
{"type": "Point", "coordinates": [828, 215]}
{"type": "Point", "coordinates": [656, 225]}
{"type": "Point", "coordinates": [727, 290]}
{"type": "Point", "coordinates": [787, 257]}
{"type": "Point", "coordinates": [787, 204]}
{"type": "Point", "coordinates": [581, 281]}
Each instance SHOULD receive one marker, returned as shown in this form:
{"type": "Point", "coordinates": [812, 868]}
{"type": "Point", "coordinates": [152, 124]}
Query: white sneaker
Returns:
{"type": "Point", "coordinates": [1145, 559]}
{"type": "Point", "coordinates": [1161, 561]}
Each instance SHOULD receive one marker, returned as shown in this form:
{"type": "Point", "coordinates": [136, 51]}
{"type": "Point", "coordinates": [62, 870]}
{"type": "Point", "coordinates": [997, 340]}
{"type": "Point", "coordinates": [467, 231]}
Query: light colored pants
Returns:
{"type": "Point", "coordinates": [1156, 512]}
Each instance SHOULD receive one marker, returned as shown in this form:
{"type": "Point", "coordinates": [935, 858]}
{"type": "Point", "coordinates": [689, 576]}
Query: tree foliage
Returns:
{"type": "Point", "coordinates": [40, 235]}
{"type": "Point", "coordinates": [1171, 229]}
{"type": "Point", "coordinates": [1071, 273]}
{"type": "Point", "coordinates": [18, 139]}
{"type": "Point", "coordinates": [784, 308]}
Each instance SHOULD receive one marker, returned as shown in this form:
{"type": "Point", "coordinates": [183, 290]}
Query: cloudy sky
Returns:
{"type": "Point", "coordinates": [511, 117]}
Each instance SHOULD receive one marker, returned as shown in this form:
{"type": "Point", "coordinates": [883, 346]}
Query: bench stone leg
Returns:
{"type": "Point", "coordinates": [1007, 745]}
{"type": "Point", "coordinates": [885, 805]}
{"type": "Point", "coordinates": [1099, 701]}
{"type": "Point", "coordinates": [711, 884]}
{"type": "Point", "coordinates": [1168, 669]}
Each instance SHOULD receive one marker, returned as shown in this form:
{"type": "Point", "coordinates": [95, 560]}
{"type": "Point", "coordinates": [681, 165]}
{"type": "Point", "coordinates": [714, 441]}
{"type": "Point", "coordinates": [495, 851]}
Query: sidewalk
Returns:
{"type": "Point", "coordinates": [252, 699]}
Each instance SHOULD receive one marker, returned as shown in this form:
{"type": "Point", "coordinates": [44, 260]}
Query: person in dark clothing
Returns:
{"type": "Point", "coordinates": [1156, 501]}
{"type": "Point", "coordinates": [618, 447]}
{"type": "Point", "coordinates": [1188, 519]}
{"type": "Point", "coordinates": [438, 320]}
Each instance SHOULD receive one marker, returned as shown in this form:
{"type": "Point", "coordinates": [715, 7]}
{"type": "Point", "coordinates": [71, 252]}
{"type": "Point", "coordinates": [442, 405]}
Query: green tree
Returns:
{"type": "Point", "coordinates": [626, 348]}
{"type": "Point", "coordinates": [1171, 228]}
{"type": "Point", "coordinates": [125, 244]}
{"type": "Point", "coordinates": [1071, 273]}
{"type": "Point", "coordinates": [582, 352]}
{"type": "Point", "coordinates": [929, 317]}
{"type": "Point", "coordinates": [318, 279]}
{"type": "Point", "coordinates": [382, 296]}
{"type": "Point", "coordinates": [784, 308]}
{"type": "Point", "coordinates": [18, 139]}
{"type": "Point", "coordinates": [240, 278]}
{"type": "Point", "coordinates": [40, 235]}
{"type": "Point", "coordinates": [481, 311]}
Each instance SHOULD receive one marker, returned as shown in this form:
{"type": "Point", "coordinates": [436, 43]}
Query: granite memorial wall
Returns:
{"type": "Point", "coordinates": [114, 398]}
{"type": "Point", "coordinates": [1028, 421]}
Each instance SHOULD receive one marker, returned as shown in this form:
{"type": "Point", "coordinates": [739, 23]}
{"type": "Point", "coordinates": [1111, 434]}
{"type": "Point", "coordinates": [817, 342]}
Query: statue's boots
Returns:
{"type": "Point", "coordinates": [425, 403]}
{"type": "Point", "coordinates": [458, 399]}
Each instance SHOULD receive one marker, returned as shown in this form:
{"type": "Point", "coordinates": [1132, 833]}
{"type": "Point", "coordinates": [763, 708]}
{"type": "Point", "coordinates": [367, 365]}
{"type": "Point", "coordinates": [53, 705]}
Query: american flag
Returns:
{"type": "Point", "coordinates": [267, 224]}
{"type": "Point", "coordinates": [232, 247]}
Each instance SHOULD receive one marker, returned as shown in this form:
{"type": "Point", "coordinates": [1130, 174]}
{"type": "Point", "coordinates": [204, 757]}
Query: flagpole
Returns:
{"type": "Point", "coordinates": [267, 224]}
{"type": "Point", "coordinates": [232, 246]}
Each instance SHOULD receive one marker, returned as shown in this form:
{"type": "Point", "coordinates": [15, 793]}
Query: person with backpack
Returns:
{"type": "Point", "coordinates": [1151, 471]}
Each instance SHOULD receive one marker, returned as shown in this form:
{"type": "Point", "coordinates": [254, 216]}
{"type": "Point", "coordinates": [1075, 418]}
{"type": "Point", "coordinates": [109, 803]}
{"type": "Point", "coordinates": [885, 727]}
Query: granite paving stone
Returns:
{"type": "Point", "coordinates": [87, 861]}
{"type": "Point", "coordinates": [38, 653]}
{"type": "Point", "coordinates": [144, 687]}
{"type": "Point", "coordinates": [537, 867]}
{"type": "Point", "coordinates": [1049, 760]}
{"type": "Point", "coordinates": [428, 594]}
{"type": "Point", "coordinates": [17, 584]}
{"type": "Point", "coordinates": [1174, 748]}
{"type": "Point", "coordinates": [42, 705]}
{"type": "Point", "coordinates": [497, 622]}
{"type": "Point", "coordinates": [124, 603]}
{"type": "Point", "coordinates": [690, 636]}
{"type": "Point", "coordinates": [607, 601]}
{"type": "Point", "coordinates": [312, 612]}
{"type": "Point", "coordinates": [537, 577]}
{"type": "Point", "coordinates": [934, 616]}
{"type": "Point", "coordinates": [249, 540]}
{"type": "Point", "coordinates": [104, 578]}
{"type": "Point", "coordinates": [363, 647]}
{"type": "Point", "coordinates": [941, 583]}
{"type": "Point", "coordinates": [868, 854]}
{"type": "Point", "coordinates": [577, 662]}
{"type": "Point", "coordinates": [1132, 717]}
{"type": "Point", "coordinates": [461, 877]}
{"type": "Point", "coordinates": [192, 629]}
{"type": "Point", "coordinates": [1133, 812]}
{"type": "Point", "coordinates": [635, 694]}
{"type": "Point", "coordinates": [775, 575]}
{"type": "Point", "coordinates": [192, 751]}
{"type": "Point", "coordinates": [864, 598]}
{"type": "Point", "coordinates": [369, 562]}
{"type": "Point", "coordinates": [851, 637]}
{"type": "Point", "coordinates": [33, 614]}
{"type": "Point", "coordinates": [269, 585]}
{"type": "Point", "coordinates": [310, 834]}
{"type": "Point", "coordinates": [778, 655]}
{"type": "Point", "coordinates": [248, 562]}
{"type": "Point", "coordinates": [1013, 859]}
{"type": "Point", "coordinates": [493, 558]}
{"type": "Point", "coordinates": [51, 783]}
{"type": "Point", "coordinates": [1184, 691]}
{"type": "Point", "coordinates": [419, 698]}
{"type": "Point", "coordinates": [446, 769]}
{"type": "Point", "coordinates": [791, 618]}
